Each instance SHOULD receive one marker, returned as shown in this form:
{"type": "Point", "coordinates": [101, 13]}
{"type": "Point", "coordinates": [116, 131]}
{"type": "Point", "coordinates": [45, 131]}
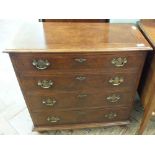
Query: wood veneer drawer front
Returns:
{"type": "Point", "coordinates": [80, 116]}
{"type": "Point", "coordinates": [55, 62]}
{"type": "Point", "coordinates": [71, 82]}
{"type": "Point", "coordinates": [55, 101]}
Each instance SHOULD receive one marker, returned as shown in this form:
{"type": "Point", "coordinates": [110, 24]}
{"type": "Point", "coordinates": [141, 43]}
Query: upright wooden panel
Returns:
{"type": "Point", "coordinates": [147, 84]}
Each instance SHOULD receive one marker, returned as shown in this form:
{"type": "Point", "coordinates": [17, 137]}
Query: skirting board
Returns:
{"type": "Point", "coordinates": [78, 126]}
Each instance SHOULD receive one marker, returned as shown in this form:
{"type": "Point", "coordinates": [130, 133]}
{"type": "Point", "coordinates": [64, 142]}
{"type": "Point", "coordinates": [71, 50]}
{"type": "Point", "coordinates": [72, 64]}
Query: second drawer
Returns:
{"type": "Point", "coordinates": [72, 82]}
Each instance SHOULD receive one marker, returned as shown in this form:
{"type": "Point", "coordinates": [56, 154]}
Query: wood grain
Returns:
{"type": "Point", "coordinates": [78, 100]}
{"type": "Point", "coordinates": [81, 116]}
{"type": "Point", "coordinates": [80, 126]}
{"type": "Point", "coordinates": [148, 85]}
{"type": "Point", "coordinates": [101, 62]}
{"type": "Point", "coordinates": [98, 44]}
{"type": "Point", "coordinates": [15, 118]}
{"type": "Point", "coordinates": [149, 105]}
{"type": "Point", "coordinates": [77, 37]}
{"type": "Point", "coordinates": [69, 82]}
{"type": "Point", "coordinates": [147, 27]}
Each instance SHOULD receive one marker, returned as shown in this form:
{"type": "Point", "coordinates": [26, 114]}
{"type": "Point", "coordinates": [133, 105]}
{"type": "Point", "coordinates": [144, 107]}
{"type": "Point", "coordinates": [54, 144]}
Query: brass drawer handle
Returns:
{"type": "Point", "coordinates": [45, 83]}
{"type": "Point", "coordinates": [80, 60]}
{"type": "Point", "coordinates": [116, 81]}
{"type": "Point", "coordinates": [49, 102]}
{"type": "Point", "coordinates": [40, 64]}
{"type": "Point", "coordinates": [119, 62]}
{"type": "Point", "coordinates": [82, 95]}
{"type": "Point", "coordinates": [53, 119]}
{"type": "Point", "coordinates": [80, 78]}
{"type": "Point", "coordinates": [111, 115]}
{"type": "Point", "coordinates": [113, 98]}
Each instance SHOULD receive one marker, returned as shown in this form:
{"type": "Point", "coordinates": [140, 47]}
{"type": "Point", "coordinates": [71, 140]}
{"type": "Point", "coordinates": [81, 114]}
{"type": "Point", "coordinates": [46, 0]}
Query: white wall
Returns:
{"type": "Point", "coordinates": [124, 20]}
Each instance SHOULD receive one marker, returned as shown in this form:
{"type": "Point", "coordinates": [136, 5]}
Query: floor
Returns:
{"type": "Point", "coordinates": [14, 116]}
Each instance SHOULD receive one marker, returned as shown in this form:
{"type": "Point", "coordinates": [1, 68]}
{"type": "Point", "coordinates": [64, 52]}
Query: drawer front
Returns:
{"type": "Point", "coordinates": [72, 82]}
{"type": "Point", "coordinates": [47, 63]}
{"type": "Point", "coordinates": [78, 100]}
{"type": "Point", "coordinates": [80, 116]}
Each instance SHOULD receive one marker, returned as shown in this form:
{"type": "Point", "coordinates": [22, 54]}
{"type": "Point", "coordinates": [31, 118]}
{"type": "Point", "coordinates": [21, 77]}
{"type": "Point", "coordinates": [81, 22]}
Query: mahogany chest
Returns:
{"type": "Point", "coordinates": [78, 75]}
{"type": "Point", "coordinates": [147, 82]}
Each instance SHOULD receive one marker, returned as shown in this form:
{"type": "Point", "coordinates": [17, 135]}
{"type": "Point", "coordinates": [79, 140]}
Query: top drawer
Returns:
{"type": "Point", "coordinates": [43, 62]}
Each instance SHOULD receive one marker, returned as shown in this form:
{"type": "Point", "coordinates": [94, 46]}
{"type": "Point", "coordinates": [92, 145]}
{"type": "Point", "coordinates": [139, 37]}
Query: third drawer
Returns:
{"type": "Point", "coordinates": [78, 100]}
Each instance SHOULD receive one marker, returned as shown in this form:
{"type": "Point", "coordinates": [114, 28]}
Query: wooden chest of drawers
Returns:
{"type": "Point", "coordinates": [147, 82]}
{"type": "Point", "coordinates": [78, 75]}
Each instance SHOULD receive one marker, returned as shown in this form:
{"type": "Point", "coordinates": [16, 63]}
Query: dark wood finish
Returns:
{"type": "Point", "coordinates": [145, 74]}
{"type": "Point", "coordinates": [69, 82]}
{"type": "Point", "coordinates": [148, 99]}
{"type": "Point", "coordinates": [148, 87]}
{"type": "Point", "coordinates": [147, 91]}
{"type": "Point", "coordinates": [78, 100]}
{"type": "Point", "coordinates": [80, 116]}
{"type": "Point", "coordinates": [67, 62]}
{"type": "Point", "coordinates": [77, 20]}
{"type": "Point", "coordinates": [79, 126]}
{"type": "Point", "coordinates": [61, 43]}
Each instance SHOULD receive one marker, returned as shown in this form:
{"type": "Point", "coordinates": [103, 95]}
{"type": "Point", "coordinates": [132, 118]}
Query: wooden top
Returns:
{"type": "Point", "coordinates": [148, 28]}
{"type": "Point", "coordinates": [77, 37]}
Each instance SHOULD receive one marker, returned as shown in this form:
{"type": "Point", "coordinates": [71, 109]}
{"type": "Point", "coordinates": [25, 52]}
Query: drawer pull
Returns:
{"type": "Point", "coordinates": [113, 98]}
{"type": "Point", "coordinates": [82, 95]}
{"type": "Point", "coordinates": [111, 115]}
{"type": "Point", "coordinates": [53, 119]}
{"type": "Point", "coordinates": [49, 102]}
{"type": "Point", "coordinates": [119, 62]}
{"type": "Point", "coordinates": [116, 81]}
{"type": "Point", "coordinates": [40, 64]}
{"type": "Point", "coordinates": [45, 83]}
{"type": "Point", "coordinates": [80, 60]}
{"type": "Point", "coordinates": [80, 78]}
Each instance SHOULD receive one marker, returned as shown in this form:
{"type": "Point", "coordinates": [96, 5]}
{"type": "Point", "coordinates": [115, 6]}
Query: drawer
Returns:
{"type": "Point", "coordinates": [72, 82]}
{"type": "Point", "coordinates": [78, 100]}
{"type": "Point", "coordinates": [30, 63]}
{"type": "Point", "coordinates": [80, 116]}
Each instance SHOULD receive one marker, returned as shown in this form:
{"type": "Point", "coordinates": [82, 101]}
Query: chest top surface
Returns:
{"type": "Point", "coordinates": [148, 28]}
{"type": "Point", "coordinates": [77, 37]}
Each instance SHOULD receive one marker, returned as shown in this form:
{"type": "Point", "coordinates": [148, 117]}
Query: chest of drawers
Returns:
{"type": "Point", "coordinates": [147, 82]}
{"type": "Point", "coordinates": [78, 75]}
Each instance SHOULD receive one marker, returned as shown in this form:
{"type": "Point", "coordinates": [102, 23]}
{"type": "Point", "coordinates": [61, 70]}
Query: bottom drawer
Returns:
{"type": "Point", "coordinates": [48, 118]}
